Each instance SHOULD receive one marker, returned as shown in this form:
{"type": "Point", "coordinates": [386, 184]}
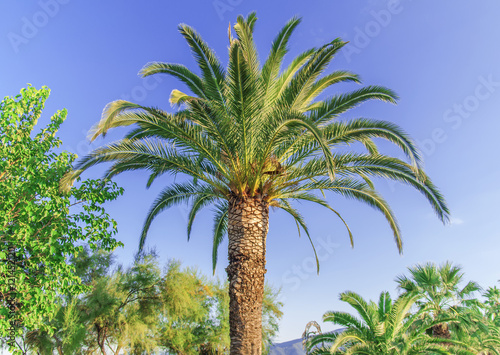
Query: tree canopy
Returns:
{"type": "Point", "coordinates": [40, 226]}
{"type": "Point", "coordinates": [142, 309]}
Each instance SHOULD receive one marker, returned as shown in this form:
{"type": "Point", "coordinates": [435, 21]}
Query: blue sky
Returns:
{"type": "Point", "coordinates": [442, 58]}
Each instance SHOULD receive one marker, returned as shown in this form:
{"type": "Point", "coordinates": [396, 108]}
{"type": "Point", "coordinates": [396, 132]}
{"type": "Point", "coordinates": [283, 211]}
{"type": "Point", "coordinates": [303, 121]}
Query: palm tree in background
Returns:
{"type": "Point", "coordinates": [479, 332]}
{"type": "Point", "coordinates": [492, 304]}
{"type": "Point", "coordinates": [440, 293]}
{"type": "Point", "coordinates": [251, 137]}
{"type": "Point", "coordinates": [386, 327]}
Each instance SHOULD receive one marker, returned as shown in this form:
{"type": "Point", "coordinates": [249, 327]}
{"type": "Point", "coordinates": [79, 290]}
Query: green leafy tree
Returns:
{"type": "Point", "coordinates": [251, 137]}
{"type": "Point", "coordinates": [90, 265]}
{"type": "Point", "coordinates": [118, 313]}
{"type": "Point", "coordinates": [40, 226]}
{"type": "Point", "coordinates": [384, 328]}
{"type": "Point", "coordinates": [70, 335]}
{"type": "Point", "coordinates": [439, 292]}
{"type": "Point", "coordinates": [138, 311]}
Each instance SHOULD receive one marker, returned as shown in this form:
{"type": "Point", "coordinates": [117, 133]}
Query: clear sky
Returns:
{"type": "Point", "coordinates": [441, 57]}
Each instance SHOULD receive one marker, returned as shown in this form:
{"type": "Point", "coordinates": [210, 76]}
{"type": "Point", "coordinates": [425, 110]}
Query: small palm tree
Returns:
{"type": "Point", "coordinates": [439, 292]}
{"type": "Point", "coordinates": [251, 137]}
{"type": "Point", "coordinates": [492, 304]}
{"type": "Point", "coordinates": [383, 328]}
{"type": "Point", "coordinates": [479, 332]}
{"type": "Point", "coordinates": [480, 328]}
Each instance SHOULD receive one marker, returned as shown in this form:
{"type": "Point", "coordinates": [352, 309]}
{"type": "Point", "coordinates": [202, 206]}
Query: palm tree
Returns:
{"type": "Point", "coordinates": [480, 328]}
{"type": "Point", "coordinates": [251, 137]}
{"type": "Point", "coordinates": [439, 291]}
{"type": "Point", "coordinates": [385, 327]}
{"type": "Point", "coordinates": [492, 304]}
{"type": "Point", "coordinates": [479, 332]}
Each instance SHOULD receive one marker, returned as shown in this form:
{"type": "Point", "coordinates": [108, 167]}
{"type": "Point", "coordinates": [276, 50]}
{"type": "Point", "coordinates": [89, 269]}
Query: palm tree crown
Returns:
{"type": "Point", "coordinates": [257, 131]}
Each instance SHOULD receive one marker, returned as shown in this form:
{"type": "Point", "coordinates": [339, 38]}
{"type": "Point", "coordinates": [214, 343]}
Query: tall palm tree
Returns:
{"type": "Point", "coordinates": [251, 137]}
{"type": "Point", "coordinates": [385, 327]}
{"type": "Point", "coordinates": [439, 291]}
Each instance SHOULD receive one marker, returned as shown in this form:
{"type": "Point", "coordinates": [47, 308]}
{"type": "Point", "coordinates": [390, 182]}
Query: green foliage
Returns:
{"type": "Point", "coordinates": [271, 314]}
{"type": "Point", "coordinates": [386, 327]}
{"type": "Point", "coordinates": [40, 226]}
{"type": "Point", "coordinates": [187, 323]}
{"type": "Point", "coordinates": [121, 309]}
{"type": "Point", "coordinates": [492, 304]}
{"type": "Point", "coordinates": [480, 327]}
{"type": "Point", "coordinates": [68, 333]}
{"type": "Point", "coordinates": [259, 131]}
{"type": "Point", "coordinates": [141, 309]}
{"type": "Point", "coordinates": [439, 292]}
{"type": "Point", "coordinates": [196, 314]}
{"type": "Point", "coordinates": [434, 315]}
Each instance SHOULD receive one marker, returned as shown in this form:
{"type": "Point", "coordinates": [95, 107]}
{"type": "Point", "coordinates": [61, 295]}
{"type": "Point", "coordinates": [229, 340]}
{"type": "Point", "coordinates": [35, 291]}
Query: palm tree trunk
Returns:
{"type": "Point", "coordinates": [441, 331]}
{"type": "Point", "coordinates": [248, 221]}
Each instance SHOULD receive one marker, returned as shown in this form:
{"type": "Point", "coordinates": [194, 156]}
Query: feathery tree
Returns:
{"type": "Point", "coordinates": [195, 317]}
{"type": "Point", "coordinates": [69, 332]}
{"type": "Point", "coordinates": [122, 309]}
{"type": "Point", "coordinates": [439, 292]}
{"type": "Point", "coordinates": [186, 324]}
{"type": "Point", "coordinates": [251, 137]}
{"type": "Point", "coordinates": [140, 311]}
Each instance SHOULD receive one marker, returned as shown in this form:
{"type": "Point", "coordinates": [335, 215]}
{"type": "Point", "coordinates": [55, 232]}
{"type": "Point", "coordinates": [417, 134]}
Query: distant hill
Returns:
{"type": "Point", "coordinates": [292, 347]}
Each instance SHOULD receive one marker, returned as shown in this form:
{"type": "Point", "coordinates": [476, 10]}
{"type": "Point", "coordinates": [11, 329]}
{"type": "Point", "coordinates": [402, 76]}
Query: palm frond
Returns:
{"type": "Point", "coordinates": [199, 202]}
{"type": "Point", "coordinates": [178, 71]}
{"type": "Point", "coordinates": [299, 220]}
{"type": "Point", "coordinates": [220, 229]}
{"type": "Point", "coordinates": [312, 198]}
{"type": "Point", "coordinates": [279, 49]}
{"type": "Point", "coordinates": [323, 112]}
{"type": "Point", "coordinates": [360, 191]}
{"type": "Point", "coordinates": [210, 66]}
